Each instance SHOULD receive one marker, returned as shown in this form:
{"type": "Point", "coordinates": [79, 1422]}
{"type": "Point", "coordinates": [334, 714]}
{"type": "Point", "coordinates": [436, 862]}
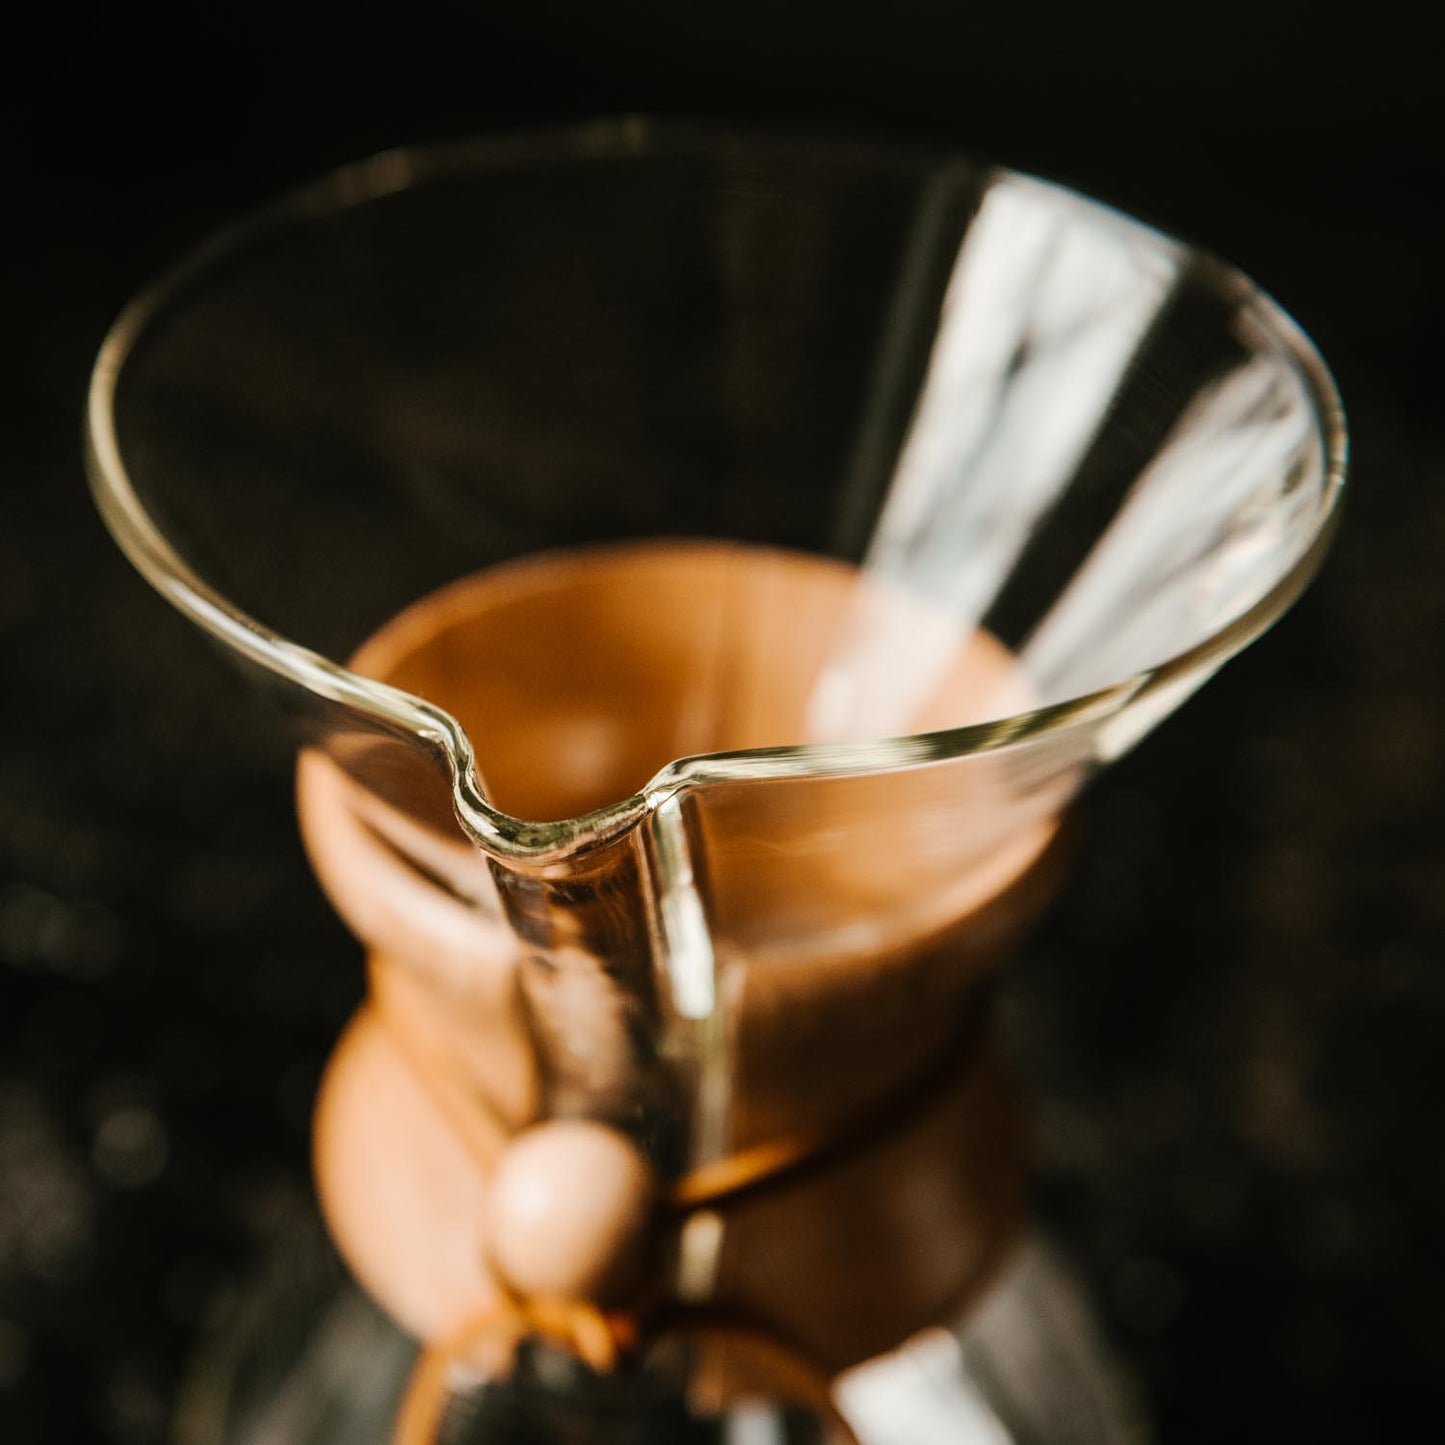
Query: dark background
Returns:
{"type": "Point", "coordinates": [1234, 1018]}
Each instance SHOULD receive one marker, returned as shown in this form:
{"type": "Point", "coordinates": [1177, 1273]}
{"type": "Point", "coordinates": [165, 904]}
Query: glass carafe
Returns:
{"type": "Point", "coordinates": [700, 569]}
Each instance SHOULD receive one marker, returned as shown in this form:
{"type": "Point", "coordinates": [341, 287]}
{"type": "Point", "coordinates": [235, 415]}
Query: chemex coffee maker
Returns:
{"type": "Point", "coordinates": [701, 569]}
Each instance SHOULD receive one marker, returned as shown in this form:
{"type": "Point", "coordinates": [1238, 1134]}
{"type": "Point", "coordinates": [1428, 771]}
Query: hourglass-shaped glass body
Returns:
{"type": "Point", "coordinates": [701, 570]}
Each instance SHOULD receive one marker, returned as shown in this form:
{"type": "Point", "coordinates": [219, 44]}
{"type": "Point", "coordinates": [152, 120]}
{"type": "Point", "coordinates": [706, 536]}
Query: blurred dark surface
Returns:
{"type": "Point", "coordinates": [1235, 1019]}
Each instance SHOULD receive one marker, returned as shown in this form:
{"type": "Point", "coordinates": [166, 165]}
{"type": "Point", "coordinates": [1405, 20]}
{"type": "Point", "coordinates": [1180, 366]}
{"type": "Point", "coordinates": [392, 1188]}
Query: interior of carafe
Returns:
{"type": "Point", "coordinates": [578, 678]}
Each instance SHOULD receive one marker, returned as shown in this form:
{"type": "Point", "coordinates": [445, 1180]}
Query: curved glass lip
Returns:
{"type": "Point", "coordinates": [396, 711]}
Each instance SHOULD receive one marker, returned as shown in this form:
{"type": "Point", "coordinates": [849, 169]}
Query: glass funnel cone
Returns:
{"type": "Point", "coordinates": [702, 568]}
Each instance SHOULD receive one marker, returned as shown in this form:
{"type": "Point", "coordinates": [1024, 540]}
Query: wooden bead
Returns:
{"type": "Point", "coordinates": [570, 1212]}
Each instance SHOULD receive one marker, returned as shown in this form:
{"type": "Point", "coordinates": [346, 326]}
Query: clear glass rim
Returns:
{"type": "Point", "coordinates": [396, 711]}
